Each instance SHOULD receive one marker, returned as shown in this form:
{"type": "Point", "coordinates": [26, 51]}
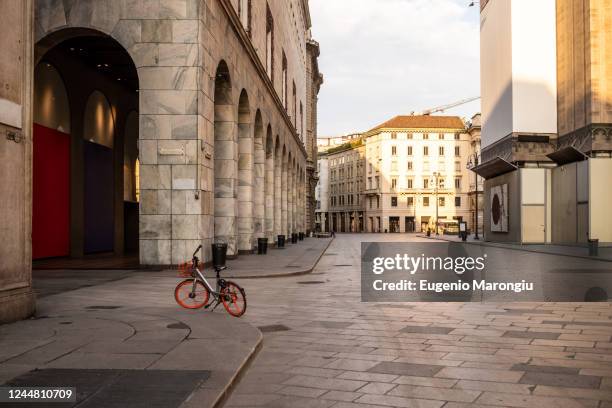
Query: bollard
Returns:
{"type": "Point", "coordinates": [280, 243]}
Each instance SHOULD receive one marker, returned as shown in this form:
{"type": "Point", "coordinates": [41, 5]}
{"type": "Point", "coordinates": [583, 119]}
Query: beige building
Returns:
{"type": "Point", "coordinates": [346, 167]}
{"type": "Point", "coordinates": [546, 132]}
{"type": "Point", "coordinates": [324, 144]}
{"type": "Point", "coordinates": [410, 162]}
{"type": "Point", "coordinates": [150, 127]}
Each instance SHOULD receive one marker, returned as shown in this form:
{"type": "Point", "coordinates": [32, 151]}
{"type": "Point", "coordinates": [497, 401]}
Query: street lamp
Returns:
{"type": "Point", "coordinates": [435, 180]}
{"type": "Point", "coordinates": [473, 162]}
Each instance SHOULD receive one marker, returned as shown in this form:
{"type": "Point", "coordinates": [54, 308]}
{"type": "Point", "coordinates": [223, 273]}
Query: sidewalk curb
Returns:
{"type": "Point", "coordinates": [286, 274]}
{"type": "Point", "coordinates": [485, 244]}
{"type": "Point", "coordinates": [246, 363]}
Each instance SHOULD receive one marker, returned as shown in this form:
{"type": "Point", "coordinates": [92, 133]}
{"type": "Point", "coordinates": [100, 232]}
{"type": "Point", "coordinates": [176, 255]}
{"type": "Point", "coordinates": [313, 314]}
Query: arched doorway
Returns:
{"type": "Point", "coordinates": [85, 152]}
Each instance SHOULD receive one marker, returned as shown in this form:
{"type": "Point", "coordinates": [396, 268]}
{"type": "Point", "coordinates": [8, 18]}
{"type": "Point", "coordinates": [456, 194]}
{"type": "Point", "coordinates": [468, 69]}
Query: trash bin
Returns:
{"type": "Point", "coordinates": [294, 237]}
{"type": "Point", "coordinates": [280, 243]}
{"type": "Point", "coordinates": [593, 247]}
{"type": "Point", "coordinates": [262, 246]}
{"type": "Point", "coordinates": [219, 254]}
{"type": "Point", "coordinates": [301, 236]}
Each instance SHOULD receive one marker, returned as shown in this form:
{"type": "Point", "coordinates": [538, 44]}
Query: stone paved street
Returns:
{"type": "Point", "coordinates": [324, 348]}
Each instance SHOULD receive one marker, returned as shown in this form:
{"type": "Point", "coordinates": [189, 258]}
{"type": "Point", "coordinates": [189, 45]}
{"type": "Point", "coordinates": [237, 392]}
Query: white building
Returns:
{"type": "Point", "coordinates": [546, 121]}
{"type": "Point", "coordinates": [322, 194]}
{"type": "Point", "coordinates": [411, 161]}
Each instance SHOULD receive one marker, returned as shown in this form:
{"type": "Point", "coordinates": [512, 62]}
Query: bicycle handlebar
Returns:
{"type": "Point", "coordinates": [196, 251]}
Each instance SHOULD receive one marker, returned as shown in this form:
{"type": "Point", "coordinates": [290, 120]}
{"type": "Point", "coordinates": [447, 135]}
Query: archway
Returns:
{"type": "Point", "coordinates": [85, 132]}
{"type": "Point", "coordinates": [226, 161]}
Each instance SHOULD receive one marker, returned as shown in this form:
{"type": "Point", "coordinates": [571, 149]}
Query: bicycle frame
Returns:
{"type": "Point", "coordinates": [214, 292]}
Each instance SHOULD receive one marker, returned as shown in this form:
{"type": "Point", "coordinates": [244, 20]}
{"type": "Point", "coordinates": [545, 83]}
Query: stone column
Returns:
{"type": "Point", "coordinates": [17, 299]}
{"type": "Point", "coordinates": [259, 188]}
{"type": "Point", "coordinates": [270, 211]}
{"type": "Point", "coordinates": [284, 229]}
{"type": "Point", "coordinates": [290, 184]}
{"type": "Point", "coordinates": [245, 188]}
{"type": "Point", "coordinates": [165, 54]}
{"type": "Point", "coordinates": [277, 195]}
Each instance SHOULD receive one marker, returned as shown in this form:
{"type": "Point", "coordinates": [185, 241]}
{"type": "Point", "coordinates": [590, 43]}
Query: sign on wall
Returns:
{"type": "Point", "coordinates": [499, 208]}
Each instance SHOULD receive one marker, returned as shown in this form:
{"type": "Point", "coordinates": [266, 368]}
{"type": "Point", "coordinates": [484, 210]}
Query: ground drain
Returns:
{"type": "Point", "coordinates": [310, 282]}
{"type": "Point", "coordinates": [273, 328]}
{"type": "Point", "coordinates": [329, 254]}
{"type": "Point", "coordinates": [343, 265]}
{"type": "Point", "coordinates": [102, 307]}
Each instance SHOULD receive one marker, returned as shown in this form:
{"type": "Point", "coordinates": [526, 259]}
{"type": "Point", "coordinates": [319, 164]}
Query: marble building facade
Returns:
{"type": "Point", "coordinates": [227, 93]}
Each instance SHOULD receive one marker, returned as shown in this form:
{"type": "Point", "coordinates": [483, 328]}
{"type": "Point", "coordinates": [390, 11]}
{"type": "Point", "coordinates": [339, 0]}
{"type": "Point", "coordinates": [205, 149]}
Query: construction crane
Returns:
{"type": "Point", "coordinates": [445, 107]}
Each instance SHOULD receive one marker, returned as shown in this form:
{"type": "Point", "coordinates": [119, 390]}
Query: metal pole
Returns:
{"type": "Point", "coordinates": [436, 175]}
{"type": "Point", "coordinates": [476, 215]}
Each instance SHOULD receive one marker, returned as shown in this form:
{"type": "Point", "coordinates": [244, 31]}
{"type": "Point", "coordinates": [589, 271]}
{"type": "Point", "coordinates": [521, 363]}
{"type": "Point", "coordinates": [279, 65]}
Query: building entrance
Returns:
{"type": "Point", "coordinates": [85, 151]}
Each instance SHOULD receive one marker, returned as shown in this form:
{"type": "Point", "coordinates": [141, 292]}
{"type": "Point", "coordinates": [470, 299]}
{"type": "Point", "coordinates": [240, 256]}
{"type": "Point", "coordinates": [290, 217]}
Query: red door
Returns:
{"type": "Point", "coordinates": [51, 193]}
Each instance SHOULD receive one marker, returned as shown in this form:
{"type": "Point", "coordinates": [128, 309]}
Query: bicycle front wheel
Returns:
{"type": "Point", "coordinates": [191, 295]}
{"type": "Point", "coordinates": [234, 299]}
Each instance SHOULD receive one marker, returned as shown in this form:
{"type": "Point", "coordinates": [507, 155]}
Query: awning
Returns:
{"type": "Point", "coordinates": [568, 154]}
{"type": "Point", "coordinates": [493, 168]}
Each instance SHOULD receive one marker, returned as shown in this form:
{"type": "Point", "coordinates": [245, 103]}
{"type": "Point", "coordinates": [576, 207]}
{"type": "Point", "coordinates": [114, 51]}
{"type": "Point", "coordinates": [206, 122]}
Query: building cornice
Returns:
{"type": "Point", "coordinates": [378, 131]}
{"type": "Point", "coordinates": [234, 19]}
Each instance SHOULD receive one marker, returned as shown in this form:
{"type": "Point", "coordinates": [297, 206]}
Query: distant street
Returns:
{"type": "Point", "coordinates": [323, 347]}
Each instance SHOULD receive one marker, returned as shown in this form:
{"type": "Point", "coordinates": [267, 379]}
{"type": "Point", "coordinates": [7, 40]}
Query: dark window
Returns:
{"type": "Point", "coordinates": [410, 201]}
{"type": "Point", "coordinates": [441, 201]}
{"type": "Point", "coordinates": [425, 136]}
{"type": "Point", "coordinates": [269, 43]}
{"type": "Point", "coordinates": [393, 150]}
{"type": "Point", "coordinates": [441, 136]}
{"type": "Point", "coordinates": [409, 150]}
{"type": "Point", "coordinates": [457, 201]}
{"type": "Point", "coordinates": [425, 201]}
{"type": "Point", "coordinates": [457, 136]}
{"type": "Point", "coordinates": [441, 150]}
{"type": "Point", "coordinates": [457, 151]}
{"type": "Point", "coordinates": [393, 135]}
{"type": "Point", "coordinates": [425, 150]}
{"type": "Point", "coordinates": [393, 201]}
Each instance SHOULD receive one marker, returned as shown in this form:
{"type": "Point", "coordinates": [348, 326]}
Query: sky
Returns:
{"type": "Point", "coordinates": [382, 58]}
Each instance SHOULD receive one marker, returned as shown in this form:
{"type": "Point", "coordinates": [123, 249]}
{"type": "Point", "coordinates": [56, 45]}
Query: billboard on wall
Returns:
{"type": "Point", "coordinates": [499, 208]}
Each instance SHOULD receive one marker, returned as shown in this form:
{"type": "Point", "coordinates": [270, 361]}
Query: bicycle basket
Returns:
{"type": "Point", "coordinates": [185, 269]}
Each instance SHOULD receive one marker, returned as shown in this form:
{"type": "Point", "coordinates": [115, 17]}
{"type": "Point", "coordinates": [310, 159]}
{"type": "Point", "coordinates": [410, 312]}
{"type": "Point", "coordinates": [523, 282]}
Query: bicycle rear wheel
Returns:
{"type": "Point", "coordinates": [191, 297]}
{"type": "Point", "coordinates": [234, 299]}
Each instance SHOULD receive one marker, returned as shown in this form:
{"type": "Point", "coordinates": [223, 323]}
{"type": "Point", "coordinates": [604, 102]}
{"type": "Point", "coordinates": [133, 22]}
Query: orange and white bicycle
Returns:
{"type": "Point", "coordinates": [194, 292]}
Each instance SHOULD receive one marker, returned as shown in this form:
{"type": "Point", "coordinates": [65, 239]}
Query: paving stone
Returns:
{"type": "Point", "coordinates": [561, 380]}
{"type": "Point", "coordinates": [527, 401]}
{"type": "Point", "coordinates": [532, 335]}
{"type": "Point", "coordinates": [494, 386]}
{"type": "Point", "coordinates": [301, 391]}
{"type": "Point", "coordinates": [325, 383]}
{"type": "Point", "coordinates": [426, 329]}
{"type": "Point", "coordinates": [418, 370]}
{"type": "Point", "coordinates": [352, 365]}
{"type": "Point", "coordinates": [341, 396]}
{"type": "Point", "coordinates": [367, 376]}
{"type": "Point", "coordinates": [425, 381]}
{"type": "Point", "coordinates": [443, 394]}
{"type": "Point", "coordinates": [544, 369]}
{"type": "Point", "coordinates": [479, 374]}
{"type": "Point", "coordinates": [376, 388]}
{"type": "Point", "coordinates": [393, 401]}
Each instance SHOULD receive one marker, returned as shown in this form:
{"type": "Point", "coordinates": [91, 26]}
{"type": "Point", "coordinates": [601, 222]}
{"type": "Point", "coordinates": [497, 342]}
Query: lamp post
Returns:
{"type": "Point", "coordinates": [435, 180]}
{"type": "Point", "coordinates": [471, 164]}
